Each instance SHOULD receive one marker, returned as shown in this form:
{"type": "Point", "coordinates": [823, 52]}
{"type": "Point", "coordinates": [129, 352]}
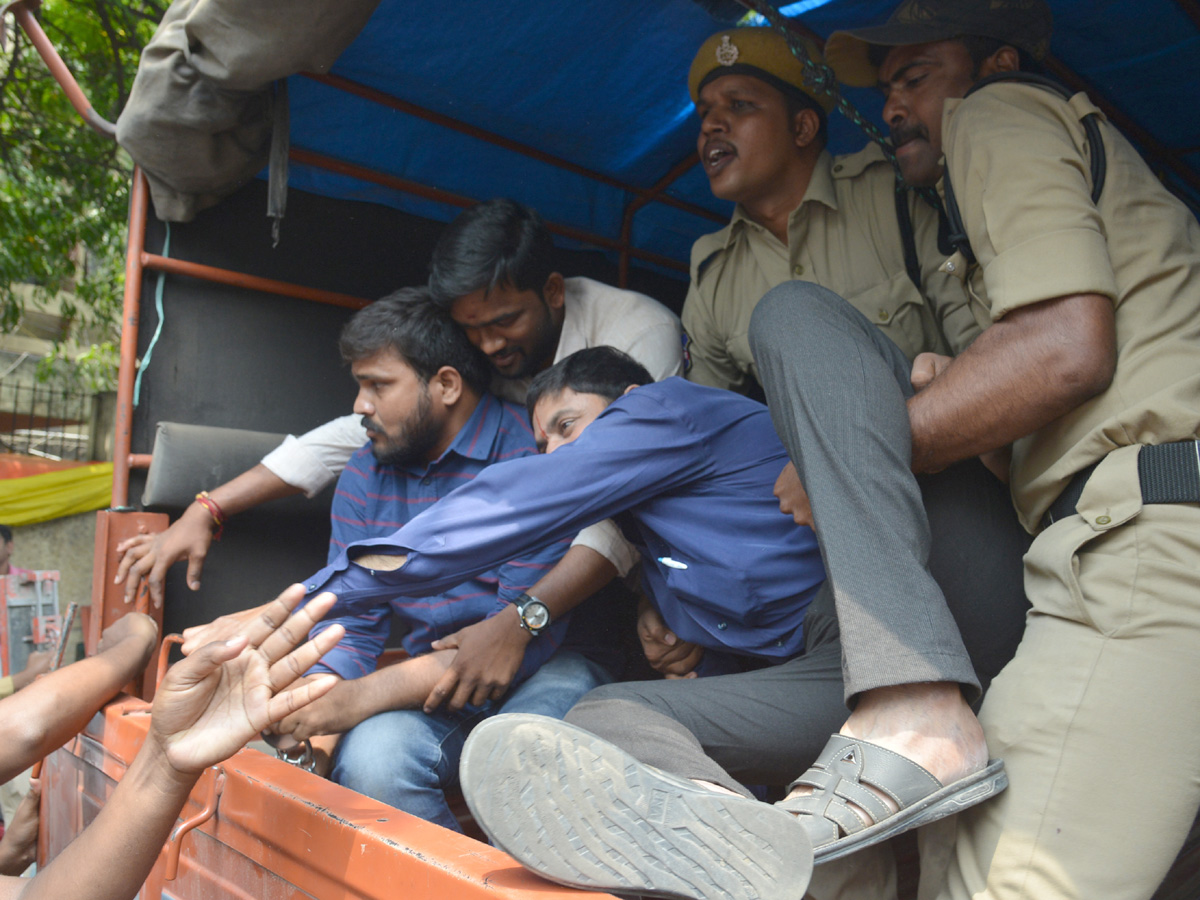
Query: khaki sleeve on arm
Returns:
{"type": "Point", "coordinates": [710, 363]}
{"type": "Point", "coordinates": [1021, 181]}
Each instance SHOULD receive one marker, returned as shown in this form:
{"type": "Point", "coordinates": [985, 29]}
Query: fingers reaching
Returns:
{"type": "Point", "coordinates": [304, 657]}
{"type": "Point", "coordinates": [290, 628]}
{"type": "Point", "coordinates": [282, 705]}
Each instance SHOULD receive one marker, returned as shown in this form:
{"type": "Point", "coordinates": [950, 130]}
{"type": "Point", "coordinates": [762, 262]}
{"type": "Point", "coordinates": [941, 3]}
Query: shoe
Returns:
{"type": "Point", "coordinates": [839, 777]}
{"type": "Point", "coordinates": [581, 812]}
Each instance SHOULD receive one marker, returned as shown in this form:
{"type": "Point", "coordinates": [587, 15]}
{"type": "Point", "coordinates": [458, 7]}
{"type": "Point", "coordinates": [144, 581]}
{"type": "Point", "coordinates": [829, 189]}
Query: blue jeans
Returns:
{"type": "Point", "coordinates": [408, 759]}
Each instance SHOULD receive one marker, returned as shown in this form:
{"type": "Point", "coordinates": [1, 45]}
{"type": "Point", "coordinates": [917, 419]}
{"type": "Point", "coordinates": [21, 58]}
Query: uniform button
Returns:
{"type": "Point", "coordinates": [838, 167]}
{"type": "Point", "coordinates": [884, 315]}
{"type": "Point", "coordinates": [950, 267]}
{"type": "Point", "coordinates": [721, 626]}
{"type": "Point", "coordinates": [798, 270]}
{"type": "Point", "coordinates": [426, 480]}
{"type": "Point", "coordinates": [1103, 520]}
{"type": "Point", "coordinates": [312, 587]}
{"type": "Point", "coordinates": [779, 643]}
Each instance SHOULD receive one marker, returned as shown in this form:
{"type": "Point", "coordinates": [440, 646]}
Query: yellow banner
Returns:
{"type": "Point", "coordinates": [40, 498]}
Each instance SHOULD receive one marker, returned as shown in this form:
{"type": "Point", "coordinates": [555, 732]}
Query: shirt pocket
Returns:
{"type": "Point", "coordinates": [726, 594]}
{"type": "Point", "coordinates": [897, 308]}
{"type": "Point", "coordinates": [738, 348]}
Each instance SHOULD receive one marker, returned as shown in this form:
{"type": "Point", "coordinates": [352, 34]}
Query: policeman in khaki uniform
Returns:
{"type": "Point", "coordinates": [1090, 364]}
{"type": "Point", "coordinates": [843, 234]}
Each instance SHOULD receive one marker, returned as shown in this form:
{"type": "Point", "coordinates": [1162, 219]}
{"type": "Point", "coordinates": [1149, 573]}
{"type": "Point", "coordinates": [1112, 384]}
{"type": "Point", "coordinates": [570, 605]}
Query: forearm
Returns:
{"type": "Point", "coordinates": [40, 719]}
{"type": "Point", "coordinates": [1028, 369]}
{"type": "Point", "coordinates": [113, 856]}
{"type": "Point", "coordinates": [579, 574]}
{"type": "Point", "coordinates": [402, 686]}
{"type": "Point", "coordinates": [252, 487]}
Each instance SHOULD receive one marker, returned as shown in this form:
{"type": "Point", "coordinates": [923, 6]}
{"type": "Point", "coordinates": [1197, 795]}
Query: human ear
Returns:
{"type": "Point", "coordinates": [554, 291]}
{"type": "Point", "coordinates": [449, 383]}
{"type": "Point", "coordinates": [805, 126]}
{"type": "Point", "coordinates": [1006, 59]}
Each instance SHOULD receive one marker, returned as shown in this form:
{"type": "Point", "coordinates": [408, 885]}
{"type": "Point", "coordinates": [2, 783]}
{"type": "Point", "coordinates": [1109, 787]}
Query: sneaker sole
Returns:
{"type": "Point", "coordinates": [581, 812]}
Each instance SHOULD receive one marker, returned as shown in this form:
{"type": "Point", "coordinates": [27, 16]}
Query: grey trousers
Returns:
{"type": "Point", "coordinates": [759, 727]}
{"type": "Point", "coordinates": [836, 388]}
{"type": "Point", "coordinates": [924, 573]}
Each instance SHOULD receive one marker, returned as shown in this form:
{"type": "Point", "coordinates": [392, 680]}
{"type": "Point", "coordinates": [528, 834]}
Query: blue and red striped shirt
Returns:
{"type": "Point", "coordinates": [374, 500]}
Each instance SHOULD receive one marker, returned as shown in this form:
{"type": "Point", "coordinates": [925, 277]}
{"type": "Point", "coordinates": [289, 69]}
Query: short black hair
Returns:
{"type": "Point", "coordinates": [597, 370]}
{"type": "Point", "coordinates": [497, 243]}
{"type": "Point", "coordinates": [979, 48]}
{"type": "Point", "coordinates": [419, 332]}
{"type": "Point", "coordinates": [5, 534]}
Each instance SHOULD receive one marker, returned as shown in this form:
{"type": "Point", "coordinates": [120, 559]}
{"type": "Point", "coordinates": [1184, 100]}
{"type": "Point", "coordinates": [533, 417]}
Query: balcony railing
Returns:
{"type": "Point", "coordinates": [45, 420]}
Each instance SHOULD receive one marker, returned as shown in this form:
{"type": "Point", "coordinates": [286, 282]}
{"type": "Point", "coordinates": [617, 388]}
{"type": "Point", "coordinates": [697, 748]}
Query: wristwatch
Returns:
{"type": "Point", "coordinates": [533, 612]}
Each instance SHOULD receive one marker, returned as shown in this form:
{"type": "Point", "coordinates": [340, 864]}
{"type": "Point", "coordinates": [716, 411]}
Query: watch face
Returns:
{"type": "Point", "coordinates": [535, 615]}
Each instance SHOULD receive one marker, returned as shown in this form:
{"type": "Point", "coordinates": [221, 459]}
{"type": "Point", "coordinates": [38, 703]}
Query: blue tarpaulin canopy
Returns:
{"type": "Point", "coordinates": [602, 86]}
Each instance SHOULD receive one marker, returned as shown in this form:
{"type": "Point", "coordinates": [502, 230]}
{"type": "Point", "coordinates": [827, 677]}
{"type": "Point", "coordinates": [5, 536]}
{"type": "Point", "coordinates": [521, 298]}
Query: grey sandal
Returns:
{"type": "Point", "coordinates": [839, 776]}
{"type": "Point", "coordinates": [579, 811]}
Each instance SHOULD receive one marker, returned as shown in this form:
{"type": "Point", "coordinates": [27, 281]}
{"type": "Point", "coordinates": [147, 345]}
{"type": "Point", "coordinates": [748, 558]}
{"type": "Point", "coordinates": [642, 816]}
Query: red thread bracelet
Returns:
{"type": "Point", "coordinates": [214, 510]}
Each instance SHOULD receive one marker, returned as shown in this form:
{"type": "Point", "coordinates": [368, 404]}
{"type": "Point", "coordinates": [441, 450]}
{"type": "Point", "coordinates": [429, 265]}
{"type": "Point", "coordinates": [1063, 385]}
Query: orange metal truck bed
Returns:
{"type": "Point", "coordinates": [278, 833]}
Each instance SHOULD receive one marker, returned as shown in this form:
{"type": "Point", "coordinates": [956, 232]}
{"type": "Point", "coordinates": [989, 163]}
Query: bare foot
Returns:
{"type": "Point", "coordinates": [927, 723]}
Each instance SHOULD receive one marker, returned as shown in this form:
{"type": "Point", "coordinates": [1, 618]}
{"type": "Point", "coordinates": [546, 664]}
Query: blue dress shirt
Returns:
{"type": "Point", "coordinates": [688, 471]}
{"type": "Point", "coordinates": [373, 500]}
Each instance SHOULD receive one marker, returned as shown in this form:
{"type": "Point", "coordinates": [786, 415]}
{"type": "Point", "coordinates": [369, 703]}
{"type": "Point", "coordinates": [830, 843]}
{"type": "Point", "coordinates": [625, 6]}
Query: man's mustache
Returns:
{"type": "Point", "coordinates": [902, 134]}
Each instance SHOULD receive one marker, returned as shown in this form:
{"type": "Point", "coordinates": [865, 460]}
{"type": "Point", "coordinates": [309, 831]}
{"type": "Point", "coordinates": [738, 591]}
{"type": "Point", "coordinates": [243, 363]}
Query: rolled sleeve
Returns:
{"type": "Point", "coordinates": [1016, 157]}
{"type": "Point", "coordinates": [313, 460]}
{"type": "Point", "coordinates": [606, 539]}
{"type": "Point", "coordinates": [1066, 262]}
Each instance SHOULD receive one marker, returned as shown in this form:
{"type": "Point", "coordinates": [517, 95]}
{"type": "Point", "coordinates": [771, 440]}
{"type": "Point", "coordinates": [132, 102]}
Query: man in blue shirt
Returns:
{"type": "Point", "coordinates": [432, 427]}
{"type": "Point", "coordinates": [687, 472]}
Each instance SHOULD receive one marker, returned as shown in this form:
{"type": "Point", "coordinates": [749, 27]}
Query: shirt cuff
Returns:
{"type": "Point", "coordinates": [1058, 264]}
{"type": "Point", "coordinates": [606, 539]}
{"type": "Point", "coordinates": [299, 466]}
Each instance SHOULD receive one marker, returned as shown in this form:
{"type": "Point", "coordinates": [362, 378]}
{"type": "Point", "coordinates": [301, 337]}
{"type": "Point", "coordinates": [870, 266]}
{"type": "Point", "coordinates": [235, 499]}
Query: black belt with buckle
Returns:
{"type": "Point", "coordinates": [1168, 473]}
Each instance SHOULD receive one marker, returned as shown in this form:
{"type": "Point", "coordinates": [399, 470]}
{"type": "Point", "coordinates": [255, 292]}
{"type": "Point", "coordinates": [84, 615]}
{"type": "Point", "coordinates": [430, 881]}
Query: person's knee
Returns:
{"type": "Point", "coordinates": [557, 686]}
{"type": "Point", "coordinates": [573, 672]}
{"type": "Point", "coordinates": [381, 757]}
{"type": "Point", "coordinates": [608, 710]}
{"type": "Point", "coordinates": [792, 310]}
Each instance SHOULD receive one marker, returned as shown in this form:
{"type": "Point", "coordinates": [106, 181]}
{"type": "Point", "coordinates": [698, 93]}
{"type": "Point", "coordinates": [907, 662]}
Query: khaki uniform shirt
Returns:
{"type": "Point", "coordinates": [843, 236]}
{"type": "Point", "coordinates": [1017, 156]}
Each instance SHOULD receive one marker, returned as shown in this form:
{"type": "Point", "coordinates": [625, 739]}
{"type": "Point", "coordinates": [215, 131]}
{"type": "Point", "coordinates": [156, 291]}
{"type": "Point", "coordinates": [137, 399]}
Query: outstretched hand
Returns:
{"type": "Point", "coordinates": [220, 697]}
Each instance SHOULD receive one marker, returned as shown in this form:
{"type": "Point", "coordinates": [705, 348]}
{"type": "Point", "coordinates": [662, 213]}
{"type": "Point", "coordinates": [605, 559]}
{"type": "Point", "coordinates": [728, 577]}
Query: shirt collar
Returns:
{"type": "Point", "coordinates": [475, 439]}
{"type": "Point", "coordinates": [820, 190]}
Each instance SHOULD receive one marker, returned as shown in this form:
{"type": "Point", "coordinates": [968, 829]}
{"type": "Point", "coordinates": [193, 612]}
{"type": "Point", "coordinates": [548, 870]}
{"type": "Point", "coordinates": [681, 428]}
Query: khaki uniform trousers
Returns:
{"type": "Point", "coordinates": [1097, 717]}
